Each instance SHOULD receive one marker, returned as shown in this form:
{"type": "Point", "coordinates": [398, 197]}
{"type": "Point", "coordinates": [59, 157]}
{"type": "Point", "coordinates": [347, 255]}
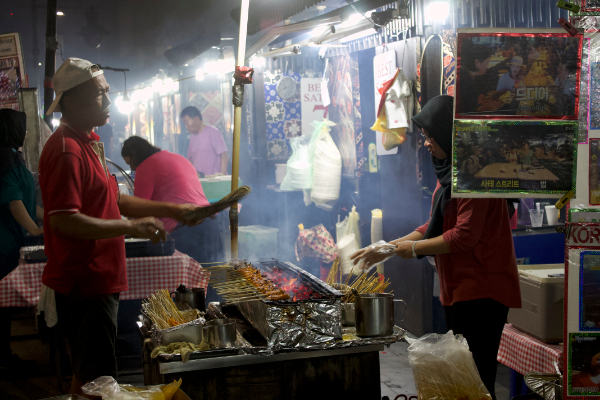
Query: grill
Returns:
{"type": "Point", "coordinates": [311, 316]}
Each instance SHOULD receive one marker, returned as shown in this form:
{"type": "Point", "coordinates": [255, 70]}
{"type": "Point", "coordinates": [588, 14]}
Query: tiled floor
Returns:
{"type": "Point", "coordinates": [396, 373]}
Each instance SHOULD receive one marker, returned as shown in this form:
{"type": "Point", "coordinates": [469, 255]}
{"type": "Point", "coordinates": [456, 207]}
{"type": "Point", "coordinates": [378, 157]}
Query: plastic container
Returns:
{"type": "Point", "coordinates": [257, 242]}
{"type": "Point", "coordinates": [542, 300]}
{"type": "Point", "coordinates": [217, 188]}
{"type": "Point", "coordinates": [145, 248]}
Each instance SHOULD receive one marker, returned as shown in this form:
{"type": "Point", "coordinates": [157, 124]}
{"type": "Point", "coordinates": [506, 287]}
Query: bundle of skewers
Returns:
{"type": "Point", "coordinates": [245, 283]}
{"type": "Point", "coordinates": [163, 312]}
{"type": "Point", "coordinates": [363, 284]}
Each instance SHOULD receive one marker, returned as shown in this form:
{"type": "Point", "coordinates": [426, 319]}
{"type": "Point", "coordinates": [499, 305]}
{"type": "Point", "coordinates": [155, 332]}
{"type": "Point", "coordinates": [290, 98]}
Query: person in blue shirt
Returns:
{"type": "Point", "coordinates": [18, 211]}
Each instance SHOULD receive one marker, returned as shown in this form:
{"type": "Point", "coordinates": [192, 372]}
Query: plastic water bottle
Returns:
{"type": "Point", "coordinates": [372, 157]}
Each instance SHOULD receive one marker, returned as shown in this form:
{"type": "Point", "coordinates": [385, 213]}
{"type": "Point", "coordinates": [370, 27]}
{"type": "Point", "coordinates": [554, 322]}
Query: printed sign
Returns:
{"type": "Point", "coordinates": [518, 75]}
{"type": "Point", "coordinates": [584, 364]}
{"type": "Point", "coordinates": [384, 67]}
{"type": "Point", "coordinates": [313, 109]}
{"type": "Point", "coordinates": [12, 70]}
{"type": "Point", "coordinates": [514, 158]}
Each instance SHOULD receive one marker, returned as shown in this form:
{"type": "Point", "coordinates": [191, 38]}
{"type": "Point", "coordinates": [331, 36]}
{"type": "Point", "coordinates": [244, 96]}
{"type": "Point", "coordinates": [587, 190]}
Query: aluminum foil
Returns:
{"type": "Point", "coordinates": [304, 324]}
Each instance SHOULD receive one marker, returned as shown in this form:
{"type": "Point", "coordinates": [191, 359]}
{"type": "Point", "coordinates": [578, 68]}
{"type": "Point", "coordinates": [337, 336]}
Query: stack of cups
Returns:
{"type": "Point", "coordinates": [327, 172]}
{"type": "Point", "coordinates": [346, 247]}
{"type": "Point", "coordinates": [377, 232]}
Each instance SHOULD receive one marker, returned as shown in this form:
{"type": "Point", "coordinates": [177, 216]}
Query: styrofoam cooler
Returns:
{"type": "Point", "coordinates": [257, 242]}
{"type": "Point", "coordinates": [542, 299]}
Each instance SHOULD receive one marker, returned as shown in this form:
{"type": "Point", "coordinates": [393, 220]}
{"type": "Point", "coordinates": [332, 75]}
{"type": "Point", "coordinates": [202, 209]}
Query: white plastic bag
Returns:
{"type": "Point", "coordinates": [444, 369]}
{"type": "Point", "coordinates": [108, 388]}
{"type": "Point", "coordinates": [299, 166]}
{"type": "Point", "coordinates": [327, 170]}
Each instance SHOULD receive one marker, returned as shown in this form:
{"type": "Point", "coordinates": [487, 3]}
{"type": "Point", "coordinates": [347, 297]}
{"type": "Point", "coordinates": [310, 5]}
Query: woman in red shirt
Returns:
{"type": "Point", "coordinates": [164, 176]}
{"type": "Point", "coordinates": [472, 243]}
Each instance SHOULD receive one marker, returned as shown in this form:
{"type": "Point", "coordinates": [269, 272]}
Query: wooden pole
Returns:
{"type": "Point", "coordinates": [238, 90]}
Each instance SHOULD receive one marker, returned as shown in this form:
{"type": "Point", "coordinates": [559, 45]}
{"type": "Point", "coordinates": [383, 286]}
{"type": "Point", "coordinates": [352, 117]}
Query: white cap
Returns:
{"type": "Point", "coordinates": [73, 72]}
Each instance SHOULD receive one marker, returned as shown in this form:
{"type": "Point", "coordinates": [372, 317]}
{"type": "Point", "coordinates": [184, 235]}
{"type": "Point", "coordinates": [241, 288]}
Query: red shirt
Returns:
{"type": "Point", "coordinates": [72, 179]}
{"type": "Point", "coordinates": [481, 263]}
{"type": "Point", "coordinates": [166, 176]}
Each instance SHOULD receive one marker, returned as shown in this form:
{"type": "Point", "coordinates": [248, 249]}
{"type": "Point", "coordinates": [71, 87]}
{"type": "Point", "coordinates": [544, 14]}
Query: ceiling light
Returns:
{"type": "Point", "coordinates": [39, 63]}
{"type": "Point", "coordinates": [123, 104]}
{"type": "Point", "coordinates": [439, 10]}
{"type": "Point", "coordinates": [319, 31]}
{"type": "Point", "coordinates": [210, 67]}
{"type": "Point", "coordinates": [258, 62]}
{"type": "Point", "coordinates": [55, 123]}
{"type": "Point", "coordinates": [185, 65]}
{"type": "Point", "coordinates": [200, 74]}
{"type": "Point", "coordinates": [166, 87]}
{"type": "Point", "coordinates": [60, 13]}
{"type": "Point", "coordinates": [353, 19]}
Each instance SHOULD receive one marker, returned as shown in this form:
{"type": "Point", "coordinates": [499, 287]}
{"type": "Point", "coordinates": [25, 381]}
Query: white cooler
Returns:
{"type": "Point", "coordinates": [542, 299]}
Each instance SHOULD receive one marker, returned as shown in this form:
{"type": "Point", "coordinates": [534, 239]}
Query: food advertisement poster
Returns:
{"type": "Point", "coordinates": [584, 364]}
{"type": "Point", "coordinates": [514, 158]}
{"type": "Point", "coordinates": [589, 291]}
{"type": "Point", "coordinates": [518, 75]}
{"type": "Point", "coordinates": [594, 166]}
{"type": "Point", "coordinates": [12, 70]}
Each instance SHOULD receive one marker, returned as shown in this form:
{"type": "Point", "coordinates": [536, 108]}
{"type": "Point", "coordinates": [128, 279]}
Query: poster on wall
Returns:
{"type": "Point", "coordinates": [595, 96]}
{"type": "Point", "coordinates": [518, 74]}
{"type": "Point", "coordinates": [12, 70]}
{"type": "Point", "coordinates": [313, 108]}
{"type": "Point", "coordinates": [594, 167]}
{"type": "Point", "coordinates": [589, 291]}
{"type": "Point", "coordinates": [514, 158]}
{"type": "Point", "coordinates": [584, 364]}
{"type": "Point", "coordinates": [384, 68]}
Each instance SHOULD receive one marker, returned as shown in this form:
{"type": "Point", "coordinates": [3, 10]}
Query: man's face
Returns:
{"type": "Point", "coordinates": [91, 101]}
{"type": "Point", "coordinates": [192, 125]}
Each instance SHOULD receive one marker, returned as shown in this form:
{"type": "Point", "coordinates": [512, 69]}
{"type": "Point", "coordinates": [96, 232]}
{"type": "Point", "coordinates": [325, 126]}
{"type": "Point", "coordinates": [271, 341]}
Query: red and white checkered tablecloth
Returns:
{"type": "Point", "coordinates": [21, 288]}
{"type": "Point", "coordinates": [524, 353]}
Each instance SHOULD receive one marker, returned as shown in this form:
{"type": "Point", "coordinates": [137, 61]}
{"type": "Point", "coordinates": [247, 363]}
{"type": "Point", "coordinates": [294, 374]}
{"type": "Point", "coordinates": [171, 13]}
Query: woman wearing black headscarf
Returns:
{"type": "Point", "coordinates": [17, 213]}
{"type": "Point", "coordinates": [472, 243]}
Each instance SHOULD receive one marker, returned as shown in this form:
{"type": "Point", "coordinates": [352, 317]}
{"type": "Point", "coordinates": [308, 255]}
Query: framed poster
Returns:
{"type": "Point", "coordinates": [384, 68]}
{"type": "Point", "coordinates": [518, 74]}
{"type": "Point", "coordinates": [594, 96]}
{"type": "Point", "coordinates": [584, 365]}
{"type": "Point", "coordinates": [12, 70]}
{"type": "Point", "coordinates": [594, 163]}
{"type": "Point", "coordinates": [589, 291]}
{"type": "Point", "coordinates": [584, 215]}
{"type": "Point", "coordinates": [514, 158]}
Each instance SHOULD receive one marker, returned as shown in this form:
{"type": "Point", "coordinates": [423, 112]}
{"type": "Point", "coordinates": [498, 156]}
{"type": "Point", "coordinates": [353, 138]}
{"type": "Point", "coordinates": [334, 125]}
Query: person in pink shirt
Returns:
{"type": "Point", "coordinates": [164, 176]}
{"type": "Point", "coordinates": [207, 150]}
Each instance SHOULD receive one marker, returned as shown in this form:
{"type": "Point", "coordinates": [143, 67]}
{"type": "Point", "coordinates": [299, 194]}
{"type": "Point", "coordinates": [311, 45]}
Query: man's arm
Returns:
{"type": "Point", "coordinates": [81, 226]}
{"type": "Point", "coordinates": [224, 163]}
{"type": "Point", "coordinates": [135, 207]}
{"type": "Point", "coordinates": [39, 213]}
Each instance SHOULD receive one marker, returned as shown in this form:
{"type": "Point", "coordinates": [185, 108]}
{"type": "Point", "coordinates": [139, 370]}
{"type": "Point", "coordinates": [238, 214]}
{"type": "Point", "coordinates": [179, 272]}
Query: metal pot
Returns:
{"type": "Point", "coordinates": [194, 297]}
{"type": "Point", "coordinates": [374, 314]}
{"type": "Point", "coordinates": [220, 333]}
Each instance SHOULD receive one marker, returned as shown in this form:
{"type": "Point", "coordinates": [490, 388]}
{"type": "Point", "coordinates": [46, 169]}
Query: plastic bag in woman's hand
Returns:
{"type": "Point", "coordinates": [444, 368]}
{"type": "Point", "coordinates": [374, 254]}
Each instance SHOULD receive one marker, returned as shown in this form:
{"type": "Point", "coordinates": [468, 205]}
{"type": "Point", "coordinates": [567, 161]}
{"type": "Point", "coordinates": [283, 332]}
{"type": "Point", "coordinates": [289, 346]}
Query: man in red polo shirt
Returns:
{"type": "Point", "coordinates": [83, 228]}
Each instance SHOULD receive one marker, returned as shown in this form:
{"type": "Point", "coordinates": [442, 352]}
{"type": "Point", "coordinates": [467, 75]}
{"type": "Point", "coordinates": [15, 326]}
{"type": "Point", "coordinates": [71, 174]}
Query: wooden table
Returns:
{"type": "Point", "coordinates": [351, 373]}
{"type": "Point", "coordinates": [494, 171]}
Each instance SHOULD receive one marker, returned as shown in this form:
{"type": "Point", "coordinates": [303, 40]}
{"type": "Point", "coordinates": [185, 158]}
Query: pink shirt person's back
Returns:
{"type": "Point", "coordinates": [167, 176]}
{"type": "Point", "coordinates": [205, 150]}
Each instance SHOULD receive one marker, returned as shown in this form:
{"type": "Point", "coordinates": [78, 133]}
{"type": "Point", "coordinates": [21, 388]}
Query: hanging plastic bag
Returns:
{"type": "Point", "coordinates": [390, 138]}
{"type": "Point", "coordinates": [348, 240]}
{"type": "Point", "coordinates": [299, 166]}
{"type": "Point", "coordinates": [327, 168]}
{"type": "Point", "coordinates": [443, 368]}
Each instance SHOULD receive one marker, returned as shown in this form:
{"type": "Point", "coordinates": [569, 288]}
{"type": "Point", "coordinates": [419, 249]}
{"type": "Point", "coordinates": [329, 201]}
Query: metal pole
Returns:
{"type": "Point", "coordinates": [50, 63]}
{"type": "Point", "coordinates": [237, 123]}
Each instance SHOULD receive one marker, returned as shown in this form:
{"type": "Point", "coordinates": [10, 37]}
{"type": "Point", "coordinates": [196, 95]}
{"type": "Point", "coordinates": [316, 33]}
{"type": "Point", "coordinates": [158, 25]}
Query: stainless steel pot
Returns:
{"type": "Point", "coordinates": [194, 297]}
{"type": "Point", "coordinates": [374, 314]}
{"type": "Point", "coordinates": [220, 333]}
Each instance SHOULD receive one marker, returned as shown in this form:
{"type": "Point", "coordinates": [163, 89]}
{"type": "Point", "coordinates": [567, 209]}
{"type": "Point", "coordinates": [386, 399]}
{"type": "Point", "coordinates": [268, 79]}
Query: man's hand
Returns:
{"type": "Point", "coordinates": [148, 228]}
{"type": "Point", "coordinates": [371, 256]}
{"type": "Point", "coordinates": [404, 249]}
{"type": "Point", "coordinates": [181, 210]}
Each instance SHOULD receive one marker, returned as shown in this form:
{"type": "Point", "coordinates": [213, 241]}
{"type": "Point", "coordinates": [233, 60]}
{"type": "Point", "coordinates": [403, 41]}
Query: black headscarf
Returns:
{"type": "Point", "coordinates": [436, 119]}
{"type": "Point", "coordinates": [12, 136]}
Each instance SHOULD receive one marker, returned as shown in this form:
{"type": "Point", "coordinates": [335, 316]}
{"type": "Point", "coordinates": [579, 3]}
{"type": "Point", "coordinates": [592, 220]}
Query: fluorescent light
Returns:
{"type": "Point", "coordinates": [60, 13]}
{"type": "Point", "coordinates": [227, 38]}
{"type": "Point", "coordinates": [200, 74]}
{"type": "Point", "coordinates": [319, 31]}
{"type": "Point", "coordinates": [258, 62]}
{"type": "Point", "coordinates": [210, 67]}
{"type": "Point", "coordinates": [123, 104]}
{"type": "Point", "coordinates": [354, 18]}
{"type": "Point", "coordinates": [55, 122]}
{"type": "Point", "coordinates": [185, 65]}
{"type": "Point", "coordinates": [439, 10]}
{"type": "Point", "coordinates": [358, 35]}
{"type": "Point", "coordinates": [166, 87]}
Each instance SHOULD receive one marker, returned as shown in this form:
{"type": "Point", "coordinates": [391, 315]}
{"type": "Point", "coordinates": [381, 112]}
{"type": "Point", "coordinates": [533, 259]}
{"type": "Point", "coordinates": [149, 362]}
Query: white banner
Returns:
{"type": "Point", "coordinates": [311, 90]}
{"type": "Point", "coordinates": [384, 67]}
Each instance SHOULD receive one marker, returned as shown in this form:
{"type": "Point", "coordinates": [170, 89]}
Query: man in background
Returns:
{"type": "Point", "coordinates": [207, 149]}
